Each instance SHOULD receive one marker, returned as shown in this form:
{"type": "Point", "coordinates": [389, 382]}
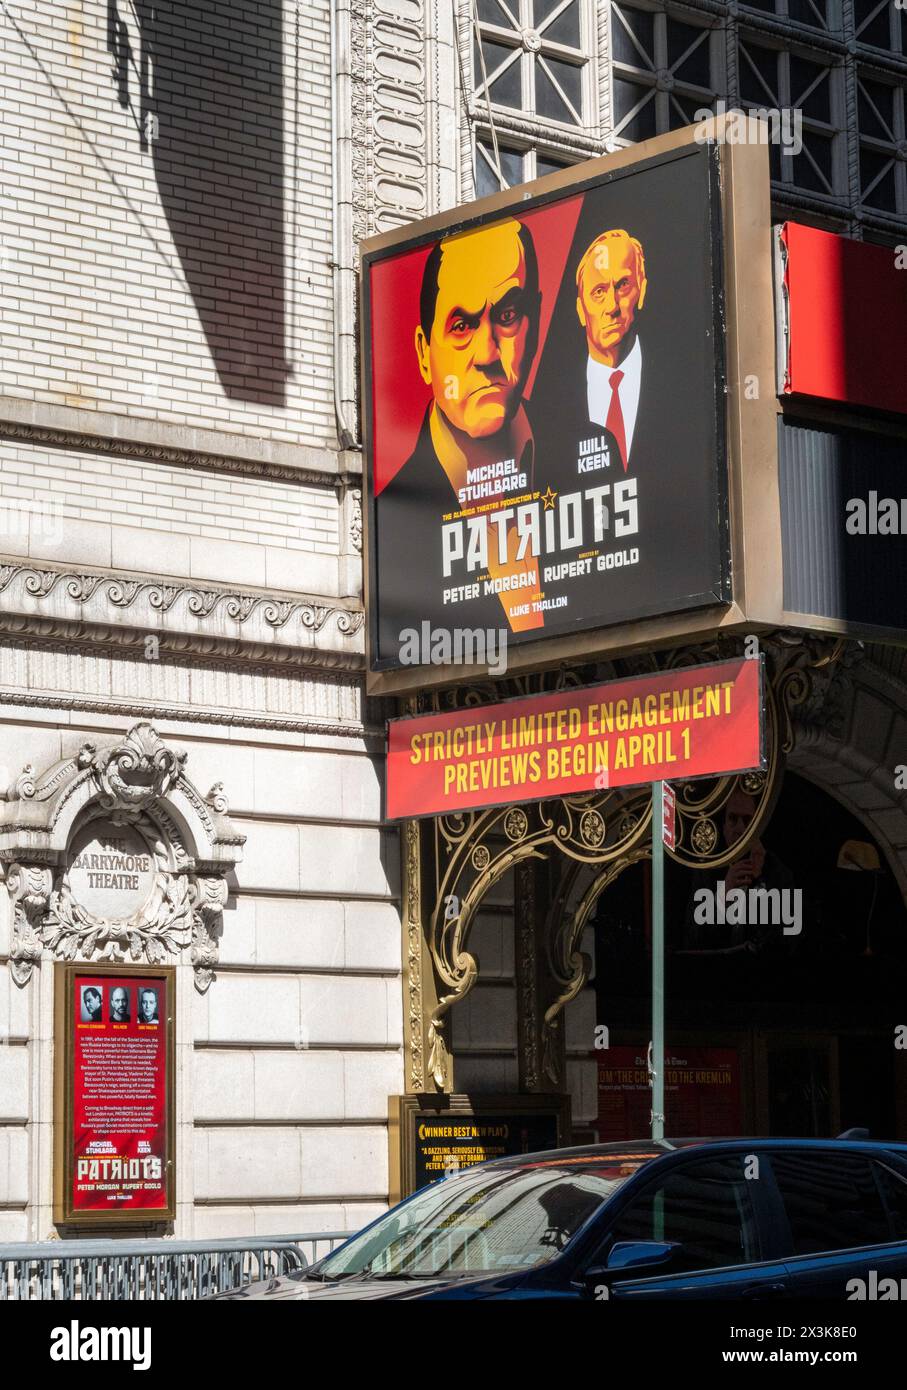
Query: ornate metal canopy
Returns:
{"type": "Point", "coordinates": [450, 864]}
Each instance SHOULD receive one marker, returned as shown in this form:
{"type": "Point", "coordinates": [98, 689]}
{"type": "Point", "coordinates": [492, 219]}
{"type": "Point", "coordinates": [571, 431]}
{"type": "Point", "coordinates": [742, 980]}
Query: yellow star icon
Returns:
{"type": "Point", "coordinates": [548, 499]}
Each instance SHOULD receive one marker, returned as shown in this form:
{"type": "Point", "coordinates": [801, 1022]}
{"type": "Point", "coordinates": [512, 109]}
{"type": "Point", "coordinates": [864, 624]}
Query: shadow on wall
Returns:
{"type": "Point", "coordinates": [206, 93]}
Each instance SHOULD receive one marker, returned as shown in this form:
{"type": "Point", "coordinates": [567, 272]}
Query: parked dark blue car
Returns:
{"type": "Point", "coordinates": [695, 1219]}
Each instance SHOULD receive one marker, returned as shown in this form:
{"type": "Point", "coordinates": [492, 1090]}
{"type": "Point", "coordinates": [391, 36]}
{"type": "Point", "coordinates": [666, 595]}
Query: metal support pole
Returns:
{"type": "Point", "coordinates": [657, 1045]}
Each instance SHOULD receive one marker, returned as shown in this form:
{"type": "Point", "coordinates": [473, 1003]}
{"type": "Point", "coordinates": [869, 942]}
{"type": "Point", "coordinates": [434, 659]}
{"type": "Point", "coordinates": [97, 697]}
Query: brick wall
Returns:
{"type": "Point", "coordinates": [87, 508]}
{"type": "Point", "coordinates": [167, 211]}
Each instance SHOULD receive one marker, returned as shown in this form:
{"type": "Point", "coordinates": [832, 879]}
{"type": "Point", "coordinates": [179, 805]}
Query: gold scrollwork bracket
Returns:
{"type": "Point", "coordinates": [798, 670]}
{"type": "Point", "coordinates": [479, 848]}
{"type": "Point", "coordinates": [568, 965]}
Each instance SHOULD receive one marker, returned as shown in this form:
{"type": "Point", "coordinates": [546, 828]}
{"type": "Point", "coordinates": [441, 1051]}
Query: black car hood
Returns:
{"type": "Point", "coordinates": [305, 1290]}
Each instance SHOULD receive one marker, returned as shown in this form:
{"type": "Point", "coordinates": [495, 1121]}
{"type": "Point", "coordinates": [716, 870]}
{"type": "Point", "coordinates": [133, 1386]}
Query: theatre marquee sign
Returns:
{"type": "Point", "coordinates": [552, 453]}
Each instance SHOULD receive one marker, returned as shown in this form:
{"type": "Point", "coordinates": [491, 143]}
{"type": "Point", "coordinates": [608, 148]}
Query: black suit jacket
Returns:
{"type": "Point", "coordinates": [561, 409]}
{"type": "Point", "coordinates": [409, 562]}
{"type": "Point", "coordinates": [678, 538]}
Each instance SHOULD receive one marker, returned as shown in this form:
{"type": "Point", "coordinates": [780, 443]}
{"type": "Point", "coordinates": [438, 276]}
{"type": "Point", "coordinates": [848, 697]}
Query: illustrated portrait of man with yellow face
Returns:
{"type": "Point", "coordinates": [610, 292]}
{"type": "Point", "coordinates": [475, 342]}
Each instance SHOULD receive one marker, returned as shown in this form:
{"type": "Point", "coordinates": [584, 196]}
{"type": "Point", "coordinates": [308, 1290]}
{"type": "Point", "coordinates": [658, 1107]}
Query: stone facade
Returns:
{"type": "Point", "coordinates": [180, 550]}
{"type": "Point", "coordinates": [169, 247]}
{"type": "Point", "coordinates": [180, 546]}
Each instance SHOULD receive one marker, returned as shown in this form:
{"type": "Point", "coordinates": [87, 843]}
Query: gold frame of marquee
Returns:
{"type": "Point", "coordinates": [752, 448]}
{"type": "Point", "coordinates": [64, 1080]}
{"type": "Point", "coordinates": [566, 852]}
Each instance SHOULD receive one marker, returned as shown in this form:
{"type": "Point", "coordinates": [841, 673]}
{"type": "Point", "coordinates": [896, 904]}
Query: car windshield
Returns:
{"type": "Point", "coordinates": [486, 1220]}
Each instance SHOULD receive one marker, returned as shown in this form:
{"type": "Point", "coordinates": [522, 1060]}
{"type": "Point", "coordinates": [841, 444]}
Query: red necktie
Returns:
{"type": "Point", "coordinates": [615, 420]}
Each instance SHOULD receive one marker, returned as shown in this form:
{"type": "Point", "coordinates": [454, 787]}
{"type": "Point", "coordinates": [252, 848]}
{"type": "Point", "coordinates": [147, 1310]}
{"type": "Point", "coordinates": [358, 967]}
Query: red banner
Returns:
{"type": "Point", "coordinates": [697, 721]}
{"type": "Point", "coordinates": [119, 1093]}
{"type": "Point", "coordinates": [845, 303]}
{"type": "Point", "coordinates": [702, 1093]}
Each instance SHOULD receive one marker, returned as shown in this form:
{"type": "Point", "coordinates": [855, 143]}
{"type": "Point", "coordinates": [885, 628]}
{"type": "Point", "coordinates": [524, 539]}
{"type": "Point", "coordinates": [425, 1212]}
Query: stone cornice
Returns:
{"type": "Point", "coordinates": [131, 610]}
{"type": "Point", "coordinates": [90, 431]}
{"type": "Point", "coordinates": [192, 714]}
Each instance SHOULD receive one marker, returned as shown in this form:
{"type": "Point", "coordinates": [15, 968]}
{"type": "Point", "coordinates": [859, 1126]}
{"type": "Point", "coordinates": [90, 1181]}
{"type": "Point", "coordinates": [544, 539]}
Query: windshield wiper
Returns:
{"type": "Point", "coordinates": [424, 1274]}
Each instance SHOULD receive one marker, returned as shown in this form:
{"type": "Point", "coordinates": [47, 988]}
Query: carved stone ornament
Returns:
{"type": "Point", "coordinates": [137, 772]}
{"type": "Point", "coordinates": [114, 855]}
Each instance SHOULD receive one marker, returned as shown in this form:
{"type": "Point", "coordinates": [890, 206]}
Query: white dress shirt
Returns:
{"type": "Point", "coordinates": [598, 391]}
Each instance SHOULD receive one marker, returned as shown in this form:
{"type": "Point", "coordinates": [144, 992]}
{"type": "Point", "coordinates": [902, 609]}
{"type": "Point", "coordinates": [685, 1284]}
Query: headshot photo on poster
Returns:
{"type": "Point", "coordinates": [119, 1004]}
{"type": "Point", "coordinates": [91, 1005]}
{"type": "Point", "coordinates": [148, 1005]}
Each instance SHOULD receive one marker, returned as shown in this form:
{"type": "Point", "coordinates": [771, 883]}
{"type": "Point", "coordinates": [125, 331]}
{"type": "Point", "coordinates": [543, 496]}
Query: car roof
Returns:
{"type": "Point", "coordinates": [647, 1149]}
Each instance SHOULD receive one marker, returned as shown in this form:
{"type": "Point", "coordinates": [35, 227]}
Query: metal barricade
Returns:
{"type": "Point", "coordinates": [153, 1269]}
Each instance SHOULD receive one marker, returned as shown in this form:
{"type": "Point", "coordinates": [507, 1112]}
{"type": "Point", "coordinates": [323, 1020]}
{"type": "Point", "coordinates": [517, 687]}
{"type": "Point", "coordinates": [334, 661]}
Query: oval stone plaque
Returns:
{"type": "Point", "coordinates": [111, 870]}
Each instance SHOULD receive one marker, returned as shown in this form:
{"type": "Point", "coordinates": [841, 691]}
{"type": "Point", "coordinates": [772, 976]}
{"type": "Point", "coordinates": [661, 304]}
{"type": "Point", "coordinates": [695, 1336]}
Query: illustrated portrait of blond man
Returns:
{"type": "Point", "coordinates": [610, 292]}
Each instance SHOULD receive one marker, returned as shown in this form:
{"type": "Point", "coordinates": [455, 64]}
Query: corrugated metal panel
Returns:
{"type": "Point", "coordinates": [809, 461]}
{"type": "Point", "coordinates": [827, 571]}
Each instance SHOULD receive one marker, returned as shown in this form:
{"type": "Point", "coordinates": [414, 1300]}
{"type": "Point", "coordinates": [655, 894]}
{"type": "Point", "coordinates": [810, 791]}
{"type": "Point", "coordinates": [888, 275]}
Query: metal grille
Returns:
{"type": "Point", "coordinates": [652, 65]}
{"type": "Point", "coordinates": [90, 1270]}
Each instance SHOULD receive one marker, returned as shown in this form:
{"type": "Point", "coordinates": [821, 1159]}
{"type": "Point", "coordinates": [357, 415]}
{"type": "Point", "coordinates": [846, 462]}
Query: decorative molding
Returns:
{"type": "Point", "coordinates": [526, 968]}
{"type": "Point", "coordinates": [188, 688]}
{"type": "Point", "coordinates": [442, 145]}
{"type": "Point", "coordinates": [464, 99]}
{"type": "Point", "coordinates": [138, 783]}
{"type": "Point", "coordinates": [29, 887]}
{"type": "Point", "coordinates": [235, 653]}
{"type": "Point", "coordinates": [815, 684]}
{"type": "Point", "coordinates": [360, 118]}
{"type": "Point", "coordinates": [413, 941]}
{"type": "Point", "coordinates": [157, 606]}
{"type": "Point", "coordinates": [137, 772]}
{"type": "Point", "coordinates": [389, 130]}
{"type": "Point", "coordinates": [83, 441]}
{"type": "Point", "coordinates": [190, 714]}
{"type": "Point", "coordinates": [534, 131]}
{"type": "Point", "coordinates": [399, 130]}
{"type": "Point", "coordinates": [71, 933]}
{"type": "Point", "coordinates": [209, 898]}
{"type": "Point", "coordinates": [356, 519]}
{"type": "Point", "coordinates": [604, 20]}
